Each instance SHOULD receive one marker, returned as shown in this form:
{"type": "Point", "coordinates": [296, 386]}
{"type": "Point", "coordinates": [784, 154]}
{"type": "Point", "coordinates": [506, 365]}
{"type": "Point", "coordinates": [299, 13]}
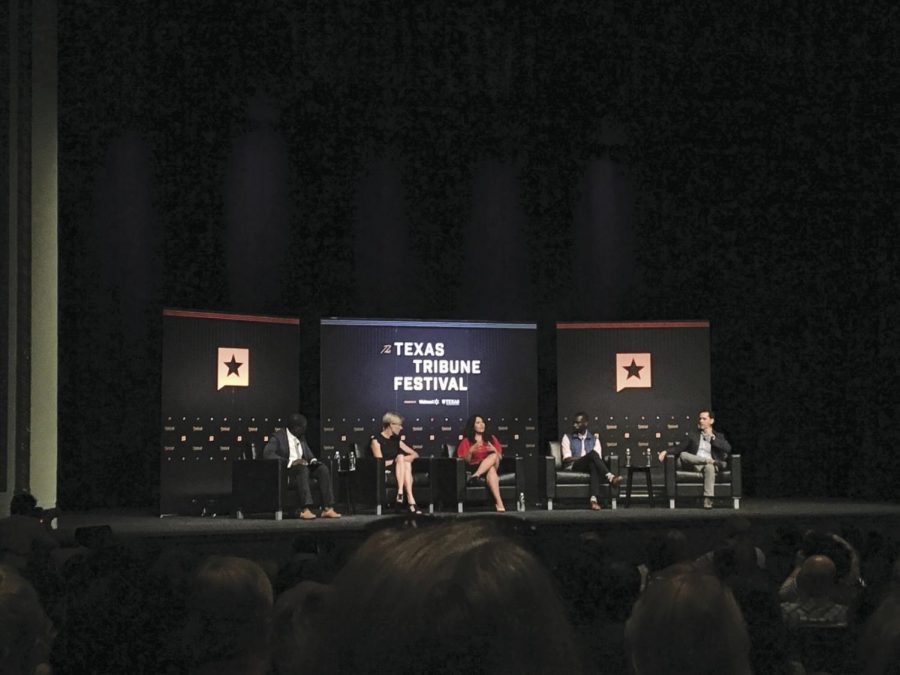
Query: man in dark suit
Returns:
{"type": "Point", "coordinates": [289, 446]}
{"type": "Point", "coordinates": [704, 452]}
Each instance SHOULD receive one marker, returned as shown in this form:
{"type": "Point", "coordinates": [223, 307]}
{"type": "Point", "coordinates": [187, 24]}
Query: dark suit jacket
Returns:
{"type": "Point", "coordinates": [721, 448]}
{"type": "Point", "coordinates": [279, 448]}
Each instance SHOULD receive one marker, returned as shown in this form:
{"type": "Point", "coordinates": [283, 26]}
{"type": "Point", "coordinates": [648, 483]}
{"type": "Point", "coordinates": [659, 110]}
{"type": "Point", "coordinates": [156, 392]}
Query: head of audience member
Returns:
{"type": "Point", "coordinates": [476, 424]}
{"type": "Point", "coordinates": [895, 577]}
{"type": "Point", "coordinates": [736, 559]}
{"type": "Point", "coordinates": [879, 645]}
{"type": "Point", "coordinates": [23, 504]}
{"type": "Point", "coordinates": [229, 617]}
{"type": "Point", "coordinates": [823, 543]}
{"type": "Point", "coordinates": [455, 597]}
{"type": "Point", "coordinates": [392, 421]}
{"type": "Point", "coordinates": [295, 614]}
{"type": "Point", "coordinates": [687, 624]}
{"type": "Point", "coordinates": [297, 424]}
{"type": "Point", "coordinates": [816, 577]}
{"type": "Point", "coordinates": [736, 527]}
{"type": "Point", "coordinates": [25, 631]}
{"type": "Point", "coordinates": [667, 550]}
{"type": "Point", "coordinates": [622, 586]}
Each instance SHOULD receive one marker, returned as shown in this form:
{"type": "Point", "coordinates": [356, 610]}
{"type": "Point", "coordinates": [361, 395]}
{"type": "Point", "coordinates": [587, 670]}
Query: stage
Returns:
{"type": "Point", "coordinates": [624, 528]}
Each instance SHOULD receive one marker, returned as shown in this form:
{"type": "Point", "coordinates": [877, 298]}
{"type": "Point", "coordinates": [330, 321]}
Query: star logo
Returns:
{"type": "Point", "coordinates": [633, 371]}
{"type": "Point", "coordinates": [233, 367]}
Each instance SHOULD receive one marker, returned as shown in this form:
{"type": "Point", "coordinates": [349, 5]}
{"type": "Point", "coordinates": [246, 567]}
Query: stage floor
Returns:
{"type": "Point", "coordinates": [226, 532]}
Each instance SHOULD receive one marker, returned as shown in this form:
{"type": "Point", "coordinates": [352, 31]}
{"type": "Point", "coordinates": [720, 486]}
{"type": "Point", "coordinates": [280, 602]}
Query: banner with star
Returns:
{"type": "Point", "coordinates": [641, 383]}
{"type": "Point", "coordinates": [228, 380]}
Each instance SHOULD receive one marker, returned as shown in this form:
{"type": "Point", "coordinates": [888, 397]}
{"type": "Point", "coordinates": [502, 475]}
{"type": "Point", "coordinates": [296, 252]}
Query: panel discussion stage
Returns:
{"type": "Point", "coordinates": [230, 380]}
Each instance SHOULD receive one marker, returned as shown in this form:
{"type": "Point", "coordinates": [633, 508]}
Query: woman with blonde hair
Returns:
{"type": "Point", "coordinates": [389, 445]}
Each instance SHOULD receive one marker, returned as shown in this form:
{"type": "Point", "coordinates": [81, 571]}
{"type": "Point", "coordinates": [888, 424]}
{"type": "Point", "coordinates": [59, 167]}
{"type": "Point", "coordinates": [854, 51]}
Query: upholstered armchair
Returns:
{"type": "Point", "coordinates": [375, 485]}
{"type": "Point", "coordinates": [682, 484]}
{"type": "Point", "coordinates": [454, 487]}
{"type": "Point", "coordinates": [265, 486]}
{"type": "Point", "coordinates": [555, 483]}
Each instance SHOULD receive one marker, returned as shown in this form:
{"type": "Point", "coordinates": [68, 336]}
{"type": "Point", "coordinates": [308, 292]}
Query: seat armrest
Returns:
{"type": "Point", "coordinates": [368, 480]}
{"type": "Point", "coordinates": [515, 465]}
{"type": "Point", "coordinates": [547, 476]}
{"type": "Point", "coordinates": [736, 478]}
{"type": "Point", "coordinates": [670, 476]}
{"type": "Point", "coordinates": [423, 465]}
{"type": "Point", "coordinates": [511, 464]}
{"type": "Point", "coordinates": [449, 478]}
{"type": "Point", "coordinates": [258, 485]}
{"type": "Point", "coordinates": [614, 468]}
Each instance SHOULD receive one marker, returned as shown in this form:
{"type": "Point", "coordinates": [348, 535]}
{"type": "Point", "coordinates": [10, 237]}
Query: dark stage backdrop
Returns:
{"type": "Point", "coordinates": [280, 157]}
{"type": "Point", "coordinates": [227, 381]}
{"type": "Point", "coordinates": [641, 383]}
{"type": "Point", "coordinates": [435, 374]}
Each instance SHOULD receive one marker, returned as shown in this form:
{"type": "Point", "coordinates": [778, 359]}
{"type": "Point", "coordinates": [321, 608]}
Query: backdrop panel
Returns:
{"type": "Point", "coordinates": [227, 381]}
{"type": "Point", "coordinates": [435, 374]}
{"type": "Point", "coordinates": [641, 383]}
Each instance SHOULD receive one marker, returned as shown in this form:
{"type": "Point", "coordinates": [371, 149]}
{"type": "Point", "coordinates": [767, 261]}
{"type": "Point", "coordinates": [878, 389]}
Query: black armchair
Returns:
{"type": "Point", "coordinates": [375, 485]}
{"type": "Point", "coordinates": [453, 485]}
{"type": "Point", "coordinates": [557, 483]}
{"type": "Point", "coordinates": [690, 483]}
{"type": "Point", "coordinates": [266, 486]}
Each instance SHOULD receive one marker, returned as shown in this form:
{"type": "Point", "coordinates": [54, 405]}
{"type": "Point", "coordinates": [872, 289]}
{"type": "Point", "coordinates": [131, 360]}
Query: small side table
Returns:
{"type": "Point", "coordinates": [645, 470]}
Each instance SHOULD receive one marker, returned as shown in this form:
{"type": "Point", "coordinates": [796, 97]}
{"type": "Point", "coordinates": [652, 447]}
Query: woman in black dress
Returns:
{"type": "Point", "coordinates": [398, 454]}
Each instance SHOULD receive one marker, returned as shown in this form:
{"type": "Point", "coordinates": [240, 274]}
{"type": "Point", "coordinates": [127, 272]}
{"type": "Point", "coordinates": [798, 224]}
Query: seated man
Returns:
{"type": "Point", "coordinates": [290, 447]}
{"type": "Point", "coordinates": [581, 452]}
{"type": "Point", "coordinates": [705, 452]}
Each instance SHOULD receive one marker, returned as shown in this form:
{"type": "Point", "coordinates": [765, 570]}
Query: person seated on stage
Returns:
{"type": "Point", "coordinates": [482, 451]}
{"type": "Point", "coordinates": [581, 451]}
{"type": "Point", "coordinates": [290, 447]}
{"type": "Point", "coordinates": [705, 452]}
{"type": "Point", "coordinates": [228, 624]}
{"type": "Point", "coordinates": [455, 597]}
{"type": "Point", "coordinates": [398, 454]}
{"type": "Point", "coordinates": [687, 624]}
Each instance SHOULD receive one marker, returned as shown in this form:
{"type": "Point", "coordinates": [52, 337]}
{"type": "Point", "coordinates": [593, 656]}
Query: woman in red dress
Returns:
{"type": "Point", "coordinates": [482, 451]}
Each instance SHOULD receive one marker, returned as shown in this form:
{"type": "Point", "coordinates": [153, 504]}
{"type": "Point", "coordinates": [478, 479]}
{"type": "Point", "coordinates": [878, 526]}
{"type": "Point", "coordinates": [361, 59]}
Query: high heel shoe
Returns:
{"type": "Point", "coordinates": [414, 509]}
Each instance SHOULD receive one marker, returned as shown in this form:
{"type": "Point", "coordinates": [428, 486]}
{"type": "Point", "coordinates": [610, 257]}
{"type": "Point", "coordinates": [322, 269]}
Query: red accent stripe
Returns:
{"type": "Point", "coordinates": [634, 324]}
{"type": "Point", "coordinates": [255, 318]}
